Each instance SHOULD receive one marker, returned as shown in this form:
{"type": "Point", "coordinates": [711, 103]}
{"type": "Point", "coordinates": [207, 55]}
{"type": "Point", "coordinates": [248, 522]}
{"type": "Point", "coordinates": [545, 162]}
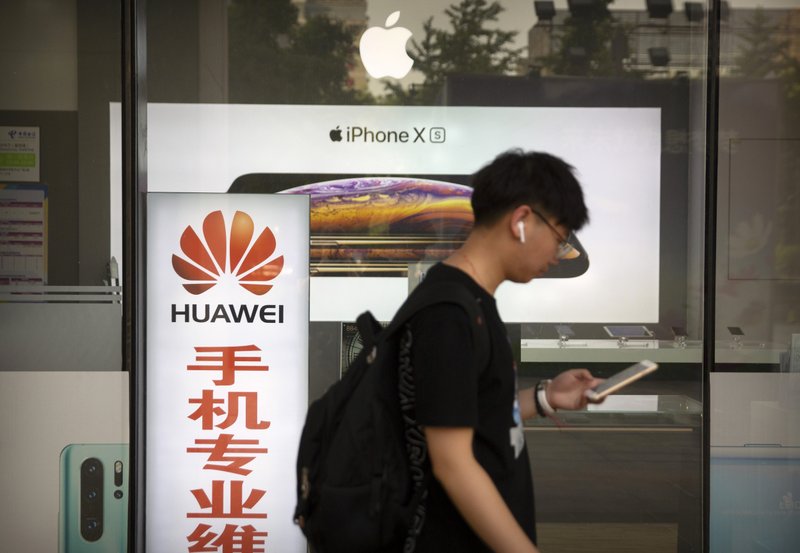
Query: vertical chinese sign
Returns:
{"type": "Point", "coordinates": [227, 371]}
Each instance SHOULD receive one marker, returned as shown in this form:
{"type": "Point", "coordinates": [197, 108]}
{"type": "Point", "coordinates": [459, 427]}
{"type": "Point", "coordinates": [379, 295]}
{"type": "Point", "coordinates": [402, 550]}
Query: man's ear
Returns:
{"type": "Point", "coordinates": [518, 215]}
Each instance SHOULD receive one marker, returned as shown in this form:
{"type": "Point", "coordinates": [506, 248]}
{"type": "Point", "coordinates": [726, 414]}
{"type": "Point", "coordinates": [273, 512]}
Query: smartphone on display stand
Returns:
{"type": "Point", "coordinates": [93, 498]}
{"type": "Point", "coordinates": [628, 331]}
{"type": "Point", "coordinates": [565, 331]}
{"type": "Point", "coordinates": [679, 332]}
{"type": "Point", "coordinates": [621, 379]}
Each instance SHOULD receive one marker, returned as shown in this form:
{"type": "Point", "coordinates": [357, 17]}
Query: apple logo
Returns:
{"type": "Point", "coordinates": [336, 134]}
{"type": "Point", "coordinates": [383, 50]}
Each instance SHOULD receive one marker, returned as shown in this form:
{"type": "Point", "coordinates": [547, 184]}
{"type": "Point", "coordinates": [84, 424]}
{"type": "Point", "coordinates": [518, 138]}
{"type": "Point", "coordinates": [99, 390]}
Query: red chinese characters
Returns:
{"type": "Point", "coordinates": [228, 454]}
{"type": "Point", "coordinates": [229, 362]}
{"type": "Point", "coordinates": [210, 407]}
{"type": "Point", "coordinates": [232, 539]}
{"type": "Point", "coordinates": [225, 454]}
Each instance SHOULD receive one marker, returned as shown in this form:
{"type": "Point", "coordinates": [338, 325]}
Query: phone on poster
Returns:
{"type": "Point", "coordinates": [93, 498]}
{"type": "Point", "coordinates": [621, 379]}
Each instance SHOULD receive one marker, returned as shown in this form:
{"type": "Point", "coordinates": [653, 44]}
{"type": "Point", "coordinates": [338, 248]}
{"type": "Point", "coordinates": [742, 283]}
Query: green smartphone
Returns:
{"type": "Point", "coordinates": [93, 499]}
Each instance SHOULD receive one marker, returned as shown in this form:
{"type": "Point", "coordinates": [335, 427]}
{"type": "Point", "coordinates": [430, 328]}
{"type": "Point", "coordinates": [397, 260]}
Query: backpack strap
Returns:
{"type": "Point", "coordinates": [369, 329]}
{"type": "Point", "coordinates": [416, 447]}
{"type": "Point", "coordinates": [447, 292]}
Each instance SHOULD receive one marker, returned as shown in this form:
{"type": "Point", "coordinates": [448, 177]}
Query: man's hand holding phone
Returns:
{"type": "Point", "coordinates": [597, 393]}
{"type": "Point", "coordinates": [569, 389]}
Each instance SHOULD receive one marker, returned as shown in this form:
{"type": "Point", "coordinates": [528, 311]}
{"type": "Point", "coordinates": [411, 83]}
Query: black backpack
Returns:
{"type": "Point", "coordinates": [361, 478]}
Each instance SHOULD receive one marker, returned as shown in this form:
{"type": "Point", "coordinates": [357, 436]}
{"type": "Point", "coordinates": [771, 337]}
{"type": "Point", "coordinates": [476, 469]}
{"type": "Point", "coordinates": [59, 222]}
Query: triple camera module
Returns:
{"type": "Point", "coordinates": [92, 496]}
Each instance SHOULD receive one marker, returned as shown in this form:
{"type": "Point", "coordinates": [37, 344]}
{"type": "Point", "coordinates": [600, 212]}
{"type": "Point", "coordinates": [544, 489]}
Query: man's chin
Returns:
{"type": "Point", "coordinates": [540, 273]}
{"type": "Point", "coordinates": [530, 278]}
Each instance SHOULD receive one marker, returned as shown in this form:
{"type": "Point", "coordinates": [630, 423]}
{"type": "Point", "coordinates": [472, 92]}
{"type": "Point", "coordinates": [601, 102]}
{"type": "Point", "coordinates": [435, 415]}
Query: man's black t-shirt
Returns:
{"type": "Point", "coordinates": [452, 391]}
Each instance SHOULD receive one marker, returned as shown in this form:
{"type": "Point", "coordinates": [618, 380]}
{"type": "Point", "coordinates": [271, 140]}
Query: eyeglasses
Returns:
{"type": "Point", "coordinates": [565, 249]}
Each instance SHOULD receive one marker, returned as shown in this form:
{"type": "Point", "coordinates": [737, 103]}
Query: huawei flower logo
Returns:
{"type": "Point", "coordinates": [237, 255]}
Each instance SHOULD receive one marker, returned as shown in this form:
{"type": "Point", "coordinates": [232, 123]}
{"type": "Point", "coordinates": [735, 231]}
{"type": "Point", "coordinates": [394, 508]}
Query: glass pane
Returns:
{"type": "Point", "coordinates": [755, 430]}
{"type": "Point", "coordinates": [293, 97]}
{"type": "Point", "coordinates": [63, 394]}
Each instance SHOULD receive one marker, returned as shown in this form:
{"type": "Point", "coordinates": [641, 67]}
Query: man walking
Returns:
{"type": "Point", "coordinates": [526, 207]}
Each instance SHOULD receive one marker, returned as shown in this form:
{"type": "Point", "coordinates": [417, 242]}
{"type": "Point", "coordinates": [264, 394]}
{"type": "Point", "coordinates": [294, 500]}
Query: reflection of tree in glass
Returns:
{"type": "Point", "coordinates": [274, 59]}
{"type": "Point", "coordinates": [790, 73]}
{"type": "Point", "coordinates": [765, 55]}
{"type": "Point", "coordinates": [787, 249]}
{"type": "Point", "coordinates": [470, 47]}
{"type": "Point", "coordinates": [593, 43]}
{"type": "Point", "coordinates": [786, 300]}
{"type": "Point", "coordinates": [762, 53]}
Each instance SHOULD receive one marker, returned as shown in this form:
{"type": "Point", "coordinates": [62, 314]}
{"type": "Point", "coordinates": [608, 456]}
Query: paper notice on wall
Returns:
{"type": "Point", "coordinates": [19, 154]}
{"type": "Point", "coordinates": [23, 234]}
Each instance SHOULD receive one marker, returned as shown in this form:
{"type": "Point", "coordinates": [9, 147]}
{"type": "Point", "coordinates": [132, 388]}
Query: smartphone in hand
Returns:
{"type": "Point", "coordinates": [621, 379]}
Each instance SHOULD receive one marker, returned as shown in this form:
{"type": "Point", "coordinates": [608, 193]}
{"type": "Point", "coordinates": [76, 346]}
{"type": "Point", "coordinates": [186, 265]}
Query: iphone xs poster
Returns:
{"type": "Point", "coordinates": [93, 498]}
{"type": "Point", "coordinates": [367, 225]}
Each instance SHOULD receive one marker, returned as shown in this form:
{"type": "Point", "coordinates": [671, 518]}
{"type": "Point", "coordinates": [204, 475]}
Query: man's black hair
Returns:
{"type": "Point", "coordinates": [536, 179]}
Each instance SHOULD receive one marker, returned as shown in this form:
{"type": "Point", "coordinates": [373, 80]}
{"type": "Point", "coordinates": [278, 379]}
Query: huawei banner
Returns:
{"type": "Point", "coordinates": [227, 370]}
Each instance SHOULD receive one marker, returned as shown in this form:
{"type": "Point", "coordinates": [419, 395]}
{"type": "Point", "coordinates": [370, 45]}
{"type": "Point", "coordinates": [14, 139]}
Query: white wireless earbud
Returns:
{"type": "Point", "coordinates": [521, 227]}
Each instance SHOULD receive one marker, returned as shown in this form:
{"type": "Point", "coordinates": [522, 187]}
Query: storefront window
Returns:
{"type": "Point", "coordinates": [63, 393]}
{"type": "Point", "coordinates": [754, 399]}
{"type": "Point", "coordinates": [290, 97]}
{"type": "Point", "coordinates": [378, 112]}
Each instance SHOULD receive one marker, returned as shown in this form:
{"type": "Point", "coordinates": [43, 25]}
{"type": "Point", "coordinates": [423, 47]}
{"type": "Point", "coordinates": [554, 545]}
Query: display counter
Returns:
{"type": "Point", "coordinates": [627, 477]}
{"type": "Point", "coordinates": [660, 351]}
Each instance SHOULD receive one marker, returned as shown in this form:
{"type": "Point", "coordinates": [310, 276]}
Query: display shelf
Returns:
{"type": "Point", "coordinates": [660, 351]}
